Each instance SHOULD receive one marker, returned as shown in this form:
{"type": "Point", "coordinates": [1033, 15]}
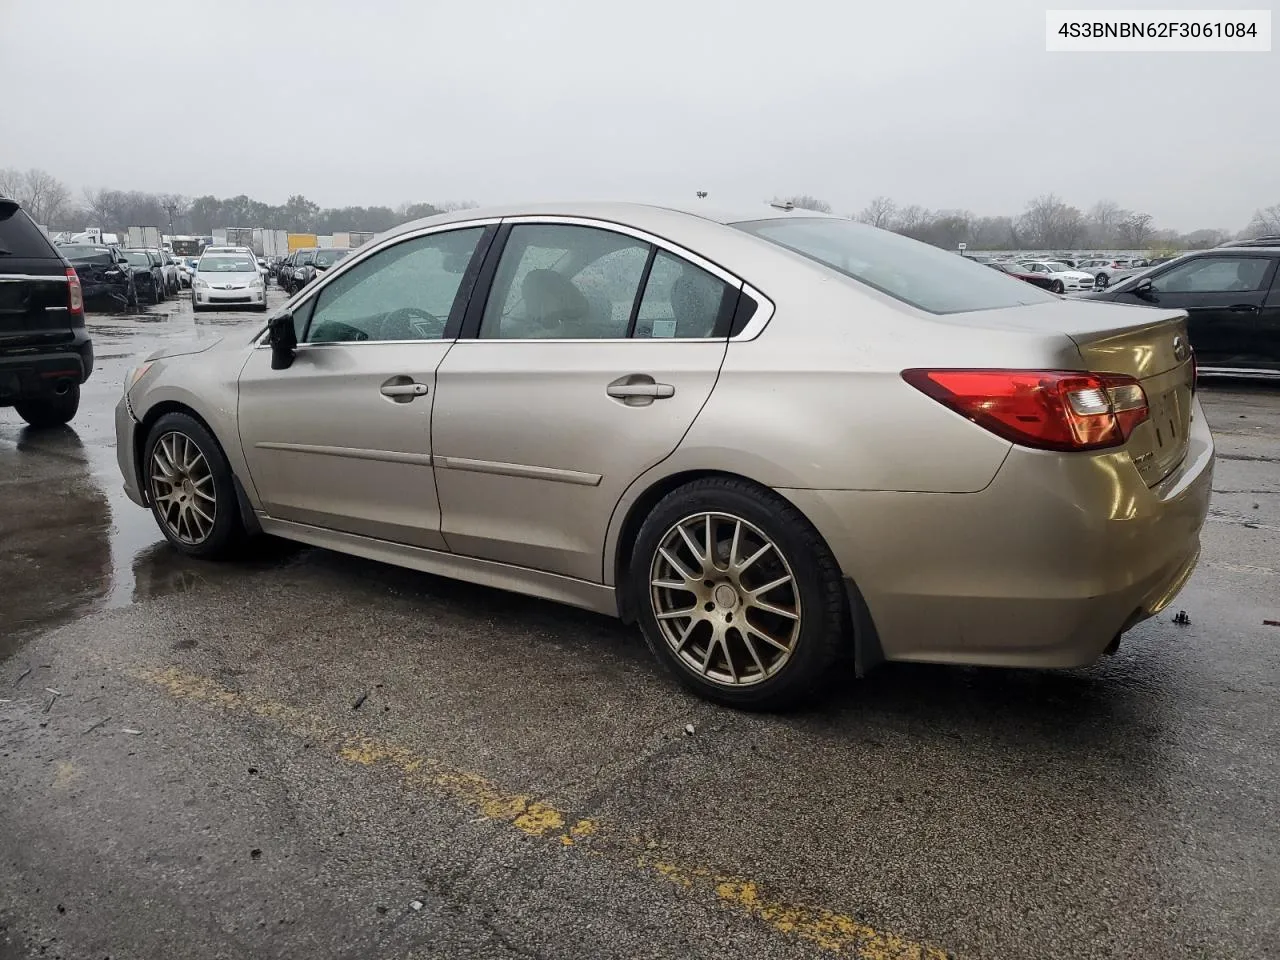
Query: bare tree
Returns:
{"type": "Point", "coordinates": [1135, 230]}
{"type": "Point", "coordinates": [1265, 222]}
{"type": "Point", "coordinates": [803, 201]}
{"type": "Point", "coordinates": [1048, 223]}
{"type": "Point", "coordinates": [41, 194]}
{"type": "Point", "coordinates": [879, 212]}
{"type": "Point", "coordinates": [452, 205]}
{"type": "Point", "coordinates": [1104, 220]}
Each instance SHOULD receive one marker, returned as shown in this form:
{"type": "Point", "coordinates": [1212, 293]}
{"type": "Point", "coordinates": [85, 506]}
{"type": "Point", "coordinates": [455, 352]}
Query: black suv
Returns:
{"type": "Point", "coordinates": [45, 353]}
{"type": "Point", "coordinates": [1232, 297]}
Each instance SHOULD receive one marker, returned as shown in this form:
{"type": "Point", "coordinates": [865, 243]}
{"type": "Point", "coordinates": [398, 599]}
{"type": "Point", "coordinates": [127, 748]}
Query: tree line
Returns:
{"type": "Point", "coordinates": [51, 203]}
{"type": "Point", "coordinates": [1047, 223]}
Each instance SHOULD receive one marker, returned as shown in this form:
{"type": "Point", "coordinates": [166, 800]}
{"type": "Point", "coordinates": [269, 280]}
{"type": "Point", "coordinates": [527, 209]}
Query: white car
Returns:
{"type": "Point", "coordinates": [227, 278]}
{"type": "Point", "coordinates": [1064, 277]}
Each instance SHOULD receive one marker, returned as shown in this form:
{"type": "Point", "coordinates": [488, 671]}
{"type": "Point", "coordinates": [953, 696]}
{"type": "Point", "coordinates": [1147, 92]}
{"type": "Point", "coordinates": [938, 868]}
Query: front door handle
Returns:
{"type": "Point", "coordinates": [1242, 308]}
{"type": "Point", "coordinates": [403, 392]}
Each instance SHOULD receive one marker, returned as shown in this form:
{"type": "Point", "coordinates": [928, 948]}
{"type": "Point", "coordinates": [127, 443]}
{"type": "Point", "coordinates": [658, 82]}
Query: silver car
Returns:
{"type": "Point", "coordinates": [228, 279]}
{"type": "Point", "coordinates": [775, 439]}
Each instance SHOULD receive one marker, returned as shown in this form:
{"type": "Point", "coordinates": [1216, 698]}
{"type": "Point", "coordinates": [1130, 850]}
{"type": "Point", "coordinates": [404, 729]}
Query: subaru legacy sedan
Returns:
{"type": "Point", "coordinates": [776, 440]}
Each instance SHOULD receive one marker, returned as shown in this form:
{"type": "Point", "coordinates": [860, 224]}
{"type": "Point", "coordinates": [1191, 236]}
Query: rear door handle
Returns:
{"type": "Point", "coordinates": [1242, 308]}
{"type": "Point", "coordinates": [404, 389]}
{"type": "Point", "coordinates": [656, 391]}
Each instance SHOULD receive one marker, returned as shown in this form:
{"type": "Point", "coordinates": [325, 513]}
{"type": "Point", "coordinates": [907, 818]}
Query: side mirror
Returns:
{"type": "Point", "coordinates": [1145, 290]}
{"type": "Point", "coordinates": [283, 339]}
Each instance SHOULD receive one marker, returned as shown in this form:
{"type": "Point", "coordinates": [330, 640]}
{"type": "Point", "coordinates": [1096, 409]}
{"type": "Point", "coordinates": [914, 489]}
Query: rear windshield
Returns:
{"type": "Point", "coordinates": [79, 253]}
{"type": "Point", "coordinates": [19, 237]}
{"type": "Point", "coordinates": [137, 258]}
{"type": "Point", "coordinates": [227, 265]}
{"type": "Point", "coordinates": [327, 258]}
{"type": "Point", "coordinates": [916, 273]}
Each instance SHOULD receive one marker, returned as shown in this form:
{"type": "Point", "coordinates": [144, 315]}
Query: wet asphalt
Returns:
{"type": "Point", "coordinates": [309, 755]}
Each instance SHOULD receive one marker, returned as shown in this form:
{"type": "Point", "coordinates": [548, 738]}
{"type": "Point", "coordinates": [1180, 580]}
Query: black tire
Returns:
{"type": "Point", "coordinates": [1057, 287]}
{"type": "Point", "coordinates": [51, 411]}
{"type": "Point", "coordinates": [821, 637]}
{"type": "Point", "coordinates": [131, 303]}
{"type": "Point", "coordinates": [1101, 281]}
{"type": "Point", "coordinates": [227, 535]}
{"type": "Point", "coordinates": [195, 307]}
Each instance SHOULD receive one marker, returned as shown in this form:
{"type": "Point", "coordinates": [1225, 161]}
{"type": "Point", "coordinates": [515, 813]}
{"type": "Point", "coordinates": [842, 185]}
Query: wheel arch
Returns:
{"type": "Point", "coordinates": [152, 416]}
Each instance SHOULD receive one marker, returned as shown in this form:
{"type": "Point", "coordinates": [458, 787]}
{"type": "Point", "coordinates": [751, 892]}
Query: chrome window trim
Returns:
{"type": "Point", "coordinates": [764, 312]}
{"type": "Point", "coordinates": [15, 277]}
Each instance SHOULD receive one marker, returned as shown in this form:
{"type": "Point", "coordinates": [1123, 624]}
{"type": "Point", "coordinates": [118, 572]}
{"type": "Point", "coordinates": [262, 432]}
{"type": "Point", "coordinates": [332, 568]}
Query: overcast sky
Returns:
{"type": "Point", "coordinates": [936, 102]}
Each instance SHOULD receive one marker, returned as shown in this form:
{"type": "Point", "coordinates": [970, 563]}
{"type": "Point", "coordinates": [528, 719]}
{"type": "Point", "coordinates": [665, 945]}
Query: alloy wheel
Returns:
{"type": "Point", "coordinates": [182, 488]}
{"type": "Point", "coordinates": [725, 599]}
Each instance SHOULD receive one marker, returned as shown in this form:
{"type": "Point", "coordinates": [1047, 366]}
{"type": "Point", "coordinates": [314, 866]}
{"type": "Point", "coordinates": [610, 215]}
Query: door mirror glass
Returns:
{"type": "Point", "coordinates": [1144, 290]}
{"type": "Point", "coordinates": [283, 339]}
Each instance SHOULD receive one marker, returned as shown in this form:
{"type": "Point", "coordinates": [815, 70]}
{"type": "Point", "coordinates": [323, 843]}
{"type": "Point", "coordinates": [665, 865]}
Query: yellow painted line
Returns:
{"type": "Point", "coordinates": [833, 932]}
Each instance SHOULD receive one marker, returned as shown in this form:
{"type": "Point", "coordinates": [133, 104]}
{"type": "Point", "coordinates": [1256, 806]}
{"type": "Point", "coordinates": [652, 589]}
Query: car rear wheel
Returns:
{"type": "Point", "coordinates": [738, 595]}
{"type": "Point", "coordinates": [51, 411]}
{"type": "Point", "coordinates": [190, 486]}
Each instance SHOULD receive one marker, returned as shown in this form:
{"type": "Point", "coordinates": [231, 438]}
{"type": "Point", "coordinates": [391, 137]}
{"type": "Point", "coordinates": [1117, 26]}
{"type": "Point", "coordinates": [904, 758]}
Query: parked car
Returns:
{"type": "Point", "coordinates": [168, 269]}
{"type": "Point", "coordinates": [45, 351]}
{"type": "Point", "coordinates": [1061, 277]}
{"type": "Point", "coordinates": [1017, 270]}
{"type": "Point", "coordinates": [148, 277]}
{"type": "Point", "coordinates": [295, 275]}
{"type": "Point", "coordinates": [1232, 296]}
{"type": "Point", "coordinates": [949, 467]}
{"type": "Point", "coordinates": [320, 262]}
{"type": "Point", "coordinates": [1102, 269]}
{"type": "Point", "coordinates": [105, 274]}
{"type": "Point", "coordinates": [225, 279]}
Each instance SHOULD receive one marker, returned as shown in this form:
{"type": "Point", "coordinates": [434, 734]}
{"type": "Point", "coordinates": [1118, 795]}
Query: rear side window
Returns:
{"type": "Point", "coordinates": [916, 273]}
{"type": "Point", "coordinates": [1214, 275]}
{"type": "Point", "coordinates": [20, 237]}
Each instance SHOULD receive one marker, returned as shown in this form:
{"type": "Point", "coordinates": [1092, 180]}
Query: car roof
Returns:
{"type": "Point", "coordinates": [643, 215]}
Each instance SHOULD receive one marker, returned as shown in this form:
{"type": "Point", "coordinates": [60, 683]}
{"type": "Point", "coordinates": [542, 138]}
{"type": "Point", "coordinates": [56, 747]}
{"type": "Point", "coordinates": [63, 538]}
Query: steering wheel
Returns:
{"type": "Point", "coordinates": [411, 323]}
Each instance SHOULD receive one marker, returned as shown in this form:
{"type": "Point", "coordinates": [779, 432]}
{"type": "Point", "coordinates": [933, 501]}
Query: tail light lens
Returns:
{"type": "Point", "coordinates": [75, 295]}
{"type": "Point", "coordinates": [1043, 409]}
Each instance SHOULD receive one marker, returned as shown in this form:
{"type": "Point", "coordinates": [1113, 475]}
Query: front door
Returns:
{"type": "Point", "coordinates": [342, 438]}
{"type": "Point", "coordinates": [1225, 299]}
{"type": "Point", "coordinates": [588, 363]}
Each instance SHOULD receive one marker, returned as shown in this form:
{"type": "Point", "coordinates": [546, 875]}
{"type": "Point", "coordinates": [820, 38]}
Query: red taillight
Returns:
{"type": "Point", "coordinates": [1045, 409]}
{"type": "Point", "coordinates": [75, 295]}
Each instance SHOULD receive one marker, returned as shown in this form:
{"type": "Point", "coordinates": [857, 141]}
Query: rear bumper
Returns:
{"type": "Point", "coordinates": [38, 374]}
{"type": "Point", "coordinates": [1043, 568]}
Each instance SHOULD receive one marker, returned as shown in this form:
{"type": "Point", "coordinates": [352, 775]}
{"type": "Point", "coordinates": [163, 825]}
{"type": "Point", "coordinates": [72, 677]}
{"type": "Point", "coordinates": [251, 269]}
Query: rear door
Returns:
{"type": "Point", "coordinates": [34, 302]}
{"type": "Point", "coordinates": [1224, 296]}
{"type": "Point", "coordinates": [586, 365]}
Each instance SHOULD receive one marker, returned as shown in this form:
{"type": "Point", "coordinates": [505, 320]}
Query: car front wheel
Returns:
{"type": "Point", "coordinates": [1057, 287]}
{"type": "Point", "coordinates": [738, 595]}
{"type": "Point", "coordinates": [190, 486]}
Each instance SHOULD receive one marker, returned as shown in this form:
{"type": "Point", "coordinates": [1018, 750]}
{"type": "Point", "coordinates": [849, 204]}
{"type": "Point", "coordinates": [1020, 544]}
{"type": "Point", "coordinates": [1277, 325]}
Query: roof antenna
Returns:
{"type": "Point", "coordinates": [782, 204]}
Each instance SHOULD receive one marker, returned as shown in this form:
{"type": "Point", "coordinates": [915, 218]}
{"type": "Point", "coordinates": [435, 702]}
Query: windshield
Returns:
{"type": "Point", "coordinates": [137, 258]}
{"type": "Point", "coordinates": [304, 257]}
{"type": "Point", "coordinates": [327, 258]}
{"type": "Point", "coordinates": [916, 273]}
{"type": "Point", "coordinates": [83, 253]}
{"type": "Point", "coordinates": [227, 265]}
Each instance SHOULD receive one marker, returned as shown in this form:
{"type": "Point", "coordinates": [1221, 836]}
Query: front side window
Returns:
{"type": "Point", "coordinates": [564, 282]}
{"type": "Point", "coordinates": [1214, 275]}
{"type": "Point", "coordinates": [405, 292]}
{"type": "Point", "coordinates": [916, 273]}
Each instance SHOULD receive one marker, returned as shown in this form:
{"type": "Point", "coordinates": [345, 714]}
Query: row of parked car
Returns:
{"type": "Point", "coordinates": [300, 267]}
{"type": "Point", "coordinates": [124, 277]}
{"type": "Point", "coordinates": [1069, 275]}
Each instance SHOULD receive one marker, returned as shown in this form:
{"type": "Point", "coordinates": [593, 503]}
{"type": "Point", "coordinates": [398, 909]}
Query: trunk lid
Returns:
{"type": "Point", "coordinates": [33, 304]}
{"type": "Point", "coordinates": [1156, 350]}
{"type": "Point", "coordinates": [1146, 343]}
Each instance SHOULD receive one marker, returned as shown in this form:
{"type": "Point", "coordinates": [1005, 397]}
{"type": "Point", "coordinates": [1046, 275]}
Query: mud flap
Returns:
{"type": "Point", "coordinates": [866, 641]}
